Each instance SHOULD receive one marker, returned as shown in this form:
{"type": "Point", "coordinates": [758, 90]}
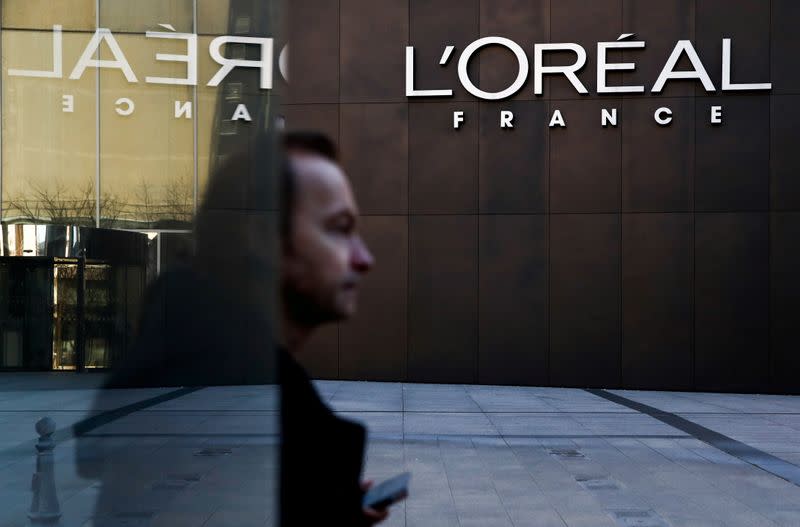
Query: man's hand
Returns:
{"type": "Point", "coordinates": [373, 516]}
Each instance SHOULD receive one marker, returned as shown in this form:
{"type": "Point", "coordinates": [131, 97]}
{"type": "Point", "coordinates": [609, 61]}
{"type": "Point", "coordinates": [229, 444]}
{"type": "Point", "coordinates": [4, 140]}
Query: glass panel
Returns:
{"type": "Point", "coordinates": [206, 118]}
{"type": "Point", "coordinates": [48, 152]}
{"type": "Point", "coordinates": [146, 152]}
{"type": "Point", "coordinates": [44, 14]}
{"type": "Point", "coordinates": [218, 135]}
{"type": "Point", "coordinates": [100, 301]}
{"type": "Point", "coordinates": [65, 316]}
{"type": "Point", "coordinates": [145, 15]}
{"type": "Point", "coordinates": [212, 16]}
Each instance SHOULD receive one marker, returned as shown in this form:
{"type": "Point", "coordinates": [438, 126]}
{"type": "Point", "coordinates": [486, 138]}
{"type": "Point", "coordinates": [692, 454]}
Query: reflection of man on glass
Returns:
{"type": "Point", "coordinates": [324, 259]}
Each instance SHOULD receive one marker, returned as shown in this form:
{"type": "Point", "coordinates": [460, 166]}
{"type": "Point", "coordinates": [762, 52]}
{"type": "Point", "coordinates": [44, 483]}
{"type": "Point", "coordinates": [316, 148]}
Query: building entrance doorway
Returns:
{"type": "Point", "coordinates": [83, 314]}
{"type": "Point", "coordinates": [70, 313]}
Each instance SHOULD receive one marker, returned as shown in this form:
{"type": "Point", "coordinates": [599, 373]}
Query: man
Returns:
{"type": "Point", "coordinates": [323, 262]}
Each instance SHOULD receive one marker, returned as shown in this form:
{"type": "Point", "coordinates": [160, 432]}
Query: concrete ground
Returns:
{"type": "Point", "coordinates": [480, 455]}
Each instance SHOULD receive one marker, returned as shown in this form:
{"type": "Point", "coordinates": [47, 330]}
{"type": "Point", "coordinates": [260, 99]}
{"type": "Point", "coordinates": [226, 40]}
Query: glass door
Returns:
{"type": "Point", "coordinates": [65, 314]}
{"type": "Point", "coordinates": [83, 314]}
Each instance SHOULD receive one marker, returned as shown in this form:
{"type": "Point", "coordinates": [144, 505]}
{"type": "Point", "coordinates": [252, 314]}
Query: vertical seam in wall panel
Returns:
{"type": "Point", "coordinates": [770, 369]}
{"type": "Point", "coordinates": [549, 225]}
{"type": "Point", "coordinates": [620, 290]}
{"type": "Point", "coordinates": [196, 108]}
{"type": "Point", "coordinates": [408, 213]}
{"type": "Point", "coordinates": [339, 132]}
{"type": "Point", "coordinates": [97, 126]}
{"type": "Point", "coordinates": [548, 253]}
{"type": "Point", "coordinates": [694, 227]}
{"type": "Point", "coordinates": [477, 373]}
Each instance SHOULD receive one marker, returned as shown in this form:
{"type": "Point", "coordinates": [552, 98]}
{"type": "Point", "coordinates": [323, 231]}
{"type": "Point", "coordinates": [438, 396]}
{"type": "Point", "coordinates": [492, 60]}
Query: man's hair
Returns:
{"type": "Point", "coordinates": [305, 142]}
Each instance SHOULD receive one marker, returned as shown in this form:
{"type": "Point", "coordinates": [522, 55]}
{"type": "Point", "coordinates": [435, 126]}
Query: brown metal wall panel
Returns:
{"type": "Point", "coordinates": [410, 167]}
{"type": "Point", "coordinates": [436, 24]}
{"type": "Point", "coordinates": [514, 162]}
{"type": "Point", "coordinates": [318, 117]}
{"type": "Point", "coordinates": [731, 301]}
{"type": "Point", "coordinates": [585, 158]}
{"type": "Point", "coordinates": [732, 170]}
{"type": "Point", "coordinates": [443, 161]}
{"type": "Point", "coordinates": [526, 22]}
{"type": "Point", "coordinates": [374, 146]}
{"type": "Point", "coordinates": [657, 161]}
{"type": "Point", "coordinates": [314, 51]}
{"type": "Point", "coordinates": [785, 43]}
{"type": "Point", "coordinates": [660, 25]}
{"type": "Point", "coordinates": [785, 300]}
{"type": "Point", "coordinates": [785, 154]}
{"type": "Point", "coordinates": [443, 299]}
{"type": "Point", "coordinates": [513, 341]}
{"type": "Point", "coordinates": [585, 299]}
{"type": "Point", "coordinates": [747, 24]}
{"type": "Point", "coordinates": [657, 272]}
{"type": "Point", "coordinates": [584, 23]}
{"type": "Point", "coordinates": [373, 346]}
{"type": "Point", "coordinates": [372, 58]}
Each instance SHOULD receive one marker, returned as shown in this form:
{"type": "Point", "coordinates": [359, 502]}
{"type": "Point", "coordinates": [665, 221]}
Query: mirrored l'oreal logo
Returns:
{"type": "Point", "coordinates": [103, 37]}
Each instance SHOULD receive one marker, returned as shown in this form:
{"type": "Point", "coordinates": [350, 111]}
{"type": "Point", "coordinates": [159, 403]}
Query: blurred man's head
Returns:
{"type": "Point", "coordinates": [324, 257]}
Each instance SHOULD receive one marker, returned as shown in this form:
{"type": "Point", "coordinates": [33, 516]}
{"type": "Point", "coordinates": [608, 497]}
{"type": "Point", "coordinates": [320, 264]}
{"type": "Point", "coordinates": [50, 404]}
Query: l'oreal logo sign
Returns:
{"type": "Point", "coordinates": [668, 73]}
{"type": "Point", "coordinates": [104, 38]}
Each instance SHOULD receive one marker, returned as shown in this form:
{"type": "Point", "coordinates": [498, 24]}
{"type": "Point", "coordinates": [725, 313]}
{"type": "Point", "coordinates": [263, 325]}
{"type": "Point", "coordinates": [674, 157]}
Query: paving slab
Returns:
{"type": "Point", "coordinates": [479, 455]}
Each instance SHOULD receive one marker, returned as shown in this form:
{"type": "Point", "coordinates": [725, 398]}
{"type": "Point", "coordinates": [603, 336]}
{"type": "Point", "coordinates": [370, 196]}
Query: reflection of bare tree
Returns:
{"type": "Point", "coordinates": [179, 198]}
{"type": "Point", "coordinates": [59, 203]}
{"type": "Point", "coordinates": [145, 197]}
{"type": "Point", "coordinates": [176, 202]}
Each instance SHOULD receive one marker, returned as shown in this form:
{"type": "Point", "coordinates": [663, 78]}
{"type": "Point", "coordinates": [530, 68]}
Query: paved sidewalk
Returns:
{"type": "Point", "coordinates": [480, 456]}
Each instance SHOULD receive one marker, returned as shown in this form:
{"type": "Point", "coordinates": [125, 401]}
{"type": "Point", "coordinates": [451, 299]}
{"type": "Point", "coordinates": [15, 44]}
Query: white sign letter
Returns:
{"type": "Point", "coordinates": [603, 67]}
{"type": "Point", "coordinates": [86, 60]}
{"type": "Point", "coordinates": [522, 61]}
{"type": "Point", "coordinates": [241, 113]}
{"type": "Point", "coordinates": [265, 64]}
{"type": "Point", "coordinates": [608, 118]}
{"type": "Point", "coordinates": [557, 120]}
{"type": "Point", "coordinates": [124, 101]}
{"type": "Point", "coordinates": [726, 72]}
{"type": "Point", "coordinates": [184, 109]}
{"type": "Point", "coordinates": [569, 71]}
{"type": "Point", "coordinates": [68, 103]}
{"type": "Point", "coordinates": [699, 71]}
{"type": "Point", "coordinates": [506, 119]}
{"type": "Point", "coordinates": [190, 58]}
{"type": "Point", "coordinates": [659, 116]}
{"type": "Point", "coordinates": [58, 61]}
{"type": "Point", "coordinates": [458, 118]}
{"type": "Point", "coordinates": [716, 115]}
{"type": "Point", "coordinates": [410, 90]}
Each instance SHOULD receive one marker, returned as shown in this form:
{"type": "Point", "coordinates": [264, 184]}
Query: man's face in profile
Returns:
{"type": "Point", "coordinates": [325, 258]}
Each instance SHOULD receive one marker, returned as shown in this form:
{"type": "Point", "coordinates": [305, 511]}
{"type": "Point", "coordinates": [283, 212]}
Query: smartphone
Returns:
{"type": "Point", "coordinates": [388, 492]}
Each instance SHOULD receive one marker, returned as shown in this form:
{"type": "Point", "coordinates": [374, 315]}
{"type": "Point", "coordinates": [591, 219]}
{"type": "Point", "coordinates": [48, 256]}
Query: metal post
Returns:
{"type": "Point", "coordinates": [44, 508]}
{"type": "Point", "coordinates": [80, 337]}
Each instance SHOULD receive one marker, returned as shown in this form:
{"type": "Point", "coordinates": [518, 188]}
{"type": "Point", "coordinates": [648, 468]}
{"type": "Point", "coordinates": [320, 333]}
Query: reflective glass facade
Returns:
{"type": "Point", "coordinates": [91, 146]}
{"type": "Point", "coordinates": [111, 123]}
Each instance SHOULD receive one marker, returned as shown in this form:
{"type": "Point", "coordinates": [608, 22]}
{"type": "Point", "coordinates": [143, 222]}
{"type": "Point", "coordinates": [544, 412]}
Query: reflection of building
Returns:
{"type": "Point", "coordinates": [101, 152]}
{"type": "Point", "coordinates": [72, 295]}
